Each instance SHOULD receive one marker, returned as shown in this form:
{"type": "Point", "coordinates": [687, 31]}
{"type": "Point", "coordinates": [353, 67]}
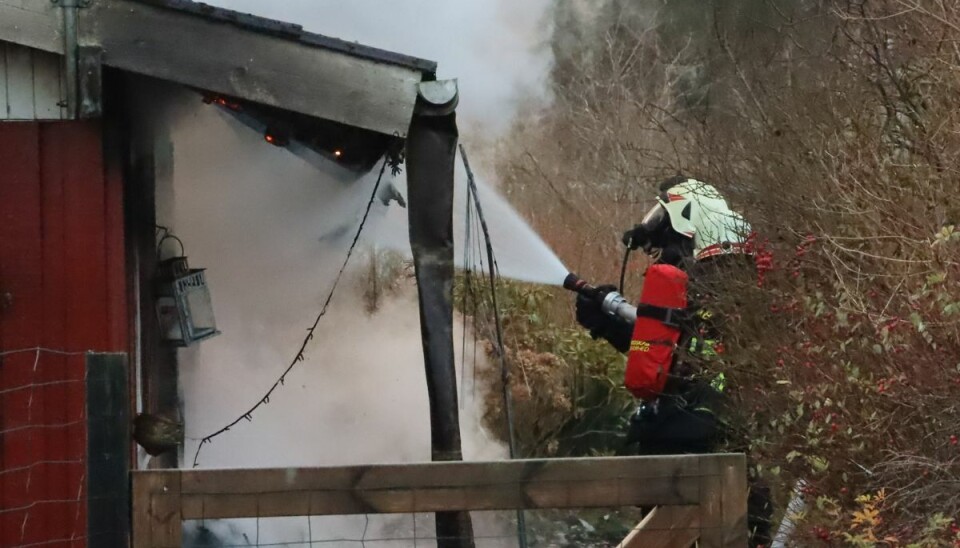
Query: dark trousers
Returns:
{"type": "Point", "coordinates": [679, 431]}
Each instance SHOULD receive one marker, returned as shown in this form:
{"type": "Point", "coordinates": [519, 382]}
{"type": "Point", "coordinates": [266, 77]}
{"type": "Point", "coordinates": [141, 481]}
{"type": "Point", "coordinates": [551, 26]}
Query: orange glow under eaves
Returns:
{"type": "Point", "coordinates": [337, 153]}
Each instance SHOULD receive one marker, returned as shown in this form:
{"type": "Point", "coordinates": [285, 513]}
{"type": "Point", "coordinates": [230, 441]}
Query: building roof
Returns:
{"type": "Point", "coordinates": [291, 31]}
{"type": "Point", "coordinates": [244, 56]}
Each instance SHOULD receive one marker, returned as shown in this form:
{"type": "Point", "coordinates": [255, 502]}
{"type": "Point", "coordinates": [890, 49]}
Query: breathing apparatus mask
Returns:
{"type": "Point", "coordinates": [650, 232]}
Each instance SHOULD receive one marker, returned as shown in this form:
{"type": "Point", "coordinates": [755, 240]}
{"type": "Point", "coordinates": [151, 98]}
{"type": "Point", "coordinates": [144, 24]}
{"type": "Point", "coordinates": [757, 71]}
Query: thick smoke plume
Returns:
{"type": "Point", "coordinates": [496, 48]}
{"type": "Point", "coordinates": [272, 231]}
{"type": "Point", "coordinates": [258, 227]}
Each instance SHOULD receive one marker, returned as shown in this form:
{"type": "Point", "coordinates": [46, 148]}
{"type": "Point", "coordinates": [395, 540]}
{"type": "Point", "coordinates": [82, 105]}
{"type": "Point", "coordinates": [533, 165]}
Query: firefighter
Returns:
{"type": "Point", "coordinates": [692, 228]}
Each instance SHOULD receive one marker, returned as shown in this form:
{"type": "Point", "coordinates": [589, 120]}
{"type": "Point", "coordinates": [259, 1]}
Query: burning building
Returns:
{"type": "Point", "coordinates": [90, 316]}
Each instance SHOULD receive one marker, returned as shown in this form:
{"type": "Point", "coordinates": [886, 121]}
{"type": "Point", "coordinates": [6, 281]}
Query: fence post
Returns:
{"type": "Point", "coordinates": [711, 503]}
{"type": "Point", "coordinates": [723, 501]}
{"type": "Point", "coordinates": [733, 479]}
{"type": "Point", "coordinates": [157, 519]}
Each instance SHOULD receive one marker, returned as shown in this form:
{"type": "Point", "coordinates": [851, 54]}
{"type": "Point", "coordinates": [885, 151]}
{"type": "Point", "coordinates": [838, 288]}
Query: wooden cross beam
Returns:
{"type": "Point", "coordinates": [711, 491]}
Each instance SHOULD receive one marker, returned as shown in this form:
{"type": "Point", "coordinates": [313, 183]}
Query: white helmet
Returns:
{"type": "Point", "coordinates": [698, 211]}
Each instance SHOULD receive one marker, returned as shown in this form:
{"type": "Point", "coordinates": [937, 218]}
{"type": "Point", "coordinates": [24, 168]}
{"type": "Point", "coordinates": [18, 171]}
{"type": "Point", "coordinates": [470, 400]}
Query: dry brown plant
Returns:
{"type": "Point", "coordinates": [837, 133]}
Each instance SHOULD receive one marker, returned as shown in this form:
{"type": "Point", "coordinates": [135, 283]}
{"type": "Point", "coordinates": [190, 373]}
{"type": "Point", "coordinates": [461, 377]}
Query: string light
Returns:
{"type": "Point", "coordinates": [300, 356]}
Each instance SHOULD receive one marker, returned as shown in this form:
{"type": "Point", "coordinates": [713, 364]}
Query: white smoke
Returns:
{"type": "Point", "coordinates": [255, 215]}
{"type": "Point", "coordinates": [256, 226]}
{"type": "Point", "coordinates": [496, 48]}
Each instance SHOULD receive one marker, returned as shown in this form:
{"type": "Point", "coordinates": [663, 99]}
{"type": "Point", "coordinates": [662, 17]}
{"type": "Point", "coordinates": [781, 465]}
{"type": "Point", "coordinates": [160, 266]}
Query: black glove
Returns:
{"type": "Point", "coordinates": [589, 312]}
{"type": "Point", "coordinates": [600, 324]}
{"type": "Point", "coordinates": [638, 237]}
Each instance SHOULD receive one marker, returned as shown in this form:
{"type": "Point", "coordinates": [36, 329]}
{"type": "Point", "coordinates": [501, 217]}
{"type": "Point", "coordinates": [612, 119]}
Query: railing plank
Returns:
{"type": "Point", "coordinates": [711, 504]}
{"type": "Point", "coordinates": [529, 495]}
{"type": "Point", "coordinates": [701, 495]}
{"type": "Point", "coordinates": [157, 517]}
{"type": "Point", "coordinates": [733, 478]}
{"type": "Point", "coordinates": [439, 474]}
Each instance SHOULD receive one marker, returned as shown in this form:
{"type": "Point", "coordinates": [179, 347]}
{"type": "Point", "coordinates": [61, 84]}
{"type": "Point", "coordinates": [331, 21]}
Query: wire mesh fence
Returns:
{"type": "Point", "coordinates": [491, 530]}
{"type": "Point", "coordinates": [43, 439]}
{"type": "Point", "coordinates": [592, 528]}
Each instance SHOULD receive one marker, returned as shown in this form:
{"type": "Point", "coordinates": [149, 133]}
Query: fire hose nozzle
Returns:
{"type": "Point", "coordinates": [611, 303]}
{"type": "Point", "coordinates": [573, 283]}
{"type": "Point", "coordinates": [578, 285]}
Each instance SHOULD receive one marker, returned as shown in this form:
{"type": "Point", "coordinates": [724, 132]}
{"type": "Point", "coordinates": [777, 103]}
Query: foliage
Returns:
{"type": "Point", "coordinates": [566, 398]}
{"type": "Point", "coordinates": [833, 126]}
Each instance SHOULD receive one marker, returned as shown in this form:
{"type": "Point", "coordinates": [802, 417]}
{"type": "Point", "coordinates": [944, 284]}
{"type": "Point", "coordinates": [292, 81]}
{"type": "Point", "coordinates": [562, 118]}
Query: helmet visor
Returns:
{"type": "Point", "coordinates": [654, 219]}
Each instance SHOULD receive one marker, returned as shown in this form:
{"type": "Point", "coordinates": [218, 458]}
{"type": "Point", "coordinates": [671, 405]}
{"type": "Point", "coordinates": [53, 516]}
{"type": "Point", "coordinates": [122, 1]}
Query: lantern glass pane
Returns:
{"type": "Point", "coordinates": [169, 317]}
{"type": "Point", "coordinates": [200, 310]}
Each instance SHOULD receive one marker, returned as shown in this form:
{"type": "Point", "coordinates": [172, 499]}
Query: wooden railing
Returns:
{"type": "Point", "coordinates": [697, 497]}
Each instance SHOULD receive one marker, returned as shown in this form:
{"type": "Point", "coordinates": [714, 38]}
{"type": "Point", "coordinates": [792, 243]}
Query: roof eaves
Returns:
{"type": "Point", "coordinates": [295, 32]}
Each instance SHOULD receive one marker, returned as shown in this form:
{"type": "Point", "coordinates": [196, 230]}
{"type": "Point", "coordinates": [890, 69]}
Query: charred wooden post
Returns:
{"type": "Point", "coordinates": [431, 153]}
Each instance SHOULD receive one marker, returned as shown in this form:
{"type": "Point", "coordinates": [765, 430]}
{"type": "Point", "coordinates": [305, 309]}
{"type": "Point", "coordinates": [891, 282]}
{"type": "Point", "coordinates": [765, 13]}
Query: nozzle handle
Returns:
{"type": "Point", "coordinates": [574, 283]}
{"type": "Point", "coordinates": [611, 302]}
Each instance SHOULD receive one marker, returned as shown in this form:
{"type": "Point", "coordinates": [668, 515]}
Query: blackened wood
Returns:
{"type": "Point", "coordinates": [223, 57]}
{"type": "Point", "coordinates": [33, 23]}
{"type": "Point", "coordinates": [108, 442]}
{"type": "Point", "coordinates": [90, 74]}
{"type": "Point", "coordinates": [431, 153]}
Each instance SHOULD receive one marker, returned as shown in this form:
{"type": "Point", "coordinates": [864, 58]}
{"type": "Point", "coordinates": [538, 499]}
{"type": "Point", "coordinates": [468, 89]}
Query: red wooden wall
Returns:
{"type": "Point", "coordinates": [62, 265]}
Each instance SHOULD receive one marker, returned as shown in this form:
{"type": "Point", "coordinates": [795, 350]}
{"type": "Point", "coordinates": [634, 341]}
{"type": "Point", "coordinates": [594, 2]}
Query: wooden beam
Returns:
{"type": "Point", "coordinates": [698, 496]}
{"type": "Point", "coordinates": [272, 69]}
{"type": "Point", "coordinates": [733, 485]}
{"type": "Point", "coordinates": [157, 518]}
{"type": "Point", "coordinates": [711, 509]}
{"type": "Point", "coordinates": [90, 85]}
{"type": "Point", "coordinates": [723, 502]}
{"type": "Point", "coordinates": [439, 486]}
{"type": "Point", "coordinates": [665, 527]}
{"type": "Point", "coordinates": [36, 24]}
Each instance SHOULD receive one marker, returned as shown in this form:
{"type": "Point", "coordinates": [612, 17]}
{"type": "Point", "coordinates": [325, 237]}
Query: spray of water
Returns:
{"type": "Point", "coordinates": [520, 252]}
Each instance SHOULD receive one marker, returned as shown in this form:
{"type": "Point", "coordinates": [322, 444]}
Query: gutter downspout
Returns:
{"type": "Point", "coordinates": [71, 73]}
{"type": "Point", "coordinates": [431, 156]}
{"type": "Point", "coordinates": [70, 57]}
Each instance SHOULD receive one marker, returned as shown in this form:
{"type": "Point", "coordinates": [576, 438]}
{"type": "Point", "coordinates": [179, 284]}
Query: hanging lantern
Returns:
{"type": "Point", "coordinates": [183, 303]}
